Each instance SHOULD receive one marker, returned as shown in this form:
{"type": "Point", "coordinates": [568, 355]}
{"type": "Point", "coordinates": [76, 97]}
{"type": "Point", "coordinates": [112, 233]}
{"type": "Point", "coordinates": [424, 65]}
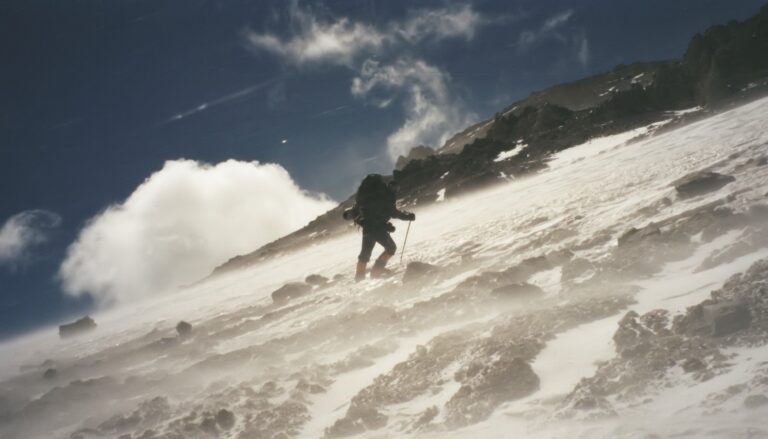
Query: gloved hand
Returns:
{"type": "Point", "coordinates": [390, 228]}
{"type": "Point", "coordinates": [411, 216]}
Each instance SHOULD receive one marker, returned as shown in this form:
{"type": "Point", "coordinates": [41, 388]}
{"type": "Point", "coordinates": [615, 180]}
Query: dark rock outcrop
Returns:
{"type": "Point", "coordinates": [290, 291]}
{"type": "Point", "coordinates": [78, 327]}
{"type": "Point", "coordinates": [184, 329]}
{"type": "Point", "coordinates": [225, 419]}
{"type": "Point", "coordinates": [716, 319]}
{"type": "Point", "coordinates": [316, 279]}
{"type": "Point", "coordinates": [700, 183]}
{"type": "Point", "coordinates": [418, 271]}
{"type": "Point", "coordinates": [416, 153]}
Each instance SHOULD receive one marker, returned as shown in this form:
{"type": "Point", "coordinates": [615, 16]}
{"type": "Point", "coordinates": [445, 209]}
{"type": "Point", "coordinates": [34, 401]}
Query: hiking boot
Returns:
{"type": "Point", "coordinates": [360, 271]}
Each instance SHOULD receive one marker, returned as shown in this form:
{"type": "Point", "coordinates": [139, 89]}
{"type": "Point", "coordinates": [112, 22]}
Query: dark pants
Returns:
{"type": "Point", "coordinates": [370, 238]}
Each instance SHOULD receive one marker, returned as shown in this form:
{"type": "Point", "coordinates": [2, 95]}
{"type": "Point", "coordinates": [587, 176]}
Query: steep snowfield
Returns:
{"type": "Point", "coordinates": [463, 352]}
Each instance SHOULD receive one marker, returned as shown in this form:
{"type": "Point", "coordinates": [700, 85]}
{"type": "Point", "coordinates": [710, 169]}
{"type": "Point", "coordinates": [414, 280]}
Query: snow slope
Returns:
{"type": "Point", "coordinates": [450, 355]}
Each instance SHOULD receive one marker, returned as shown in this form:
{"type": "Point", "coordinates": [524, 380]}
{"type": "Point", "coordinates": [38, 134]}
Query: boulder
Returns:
{"type": "Point", "coordinates": [290, 291]}
{"type": "Point", "coordinates": [78, 327]}
{"type": "Point", "coordinates": [716, 319]}
{"type": "Point", "coordinates": [184, 329]}
{"type": "Point", "coordinates": [700, 183]}
{"type": "Point", "coordinates": [418, 271]}
{"type": "Point", "coordinates": [50, 374]}
{"type": "Point", "coordinates": [316, 279]}
{"type": "Point", "coordinates": [518, 291]}
{"type": "Point", "coordinates": [634, 236]}
{"type": "Point", "coordinates": [225, 419]}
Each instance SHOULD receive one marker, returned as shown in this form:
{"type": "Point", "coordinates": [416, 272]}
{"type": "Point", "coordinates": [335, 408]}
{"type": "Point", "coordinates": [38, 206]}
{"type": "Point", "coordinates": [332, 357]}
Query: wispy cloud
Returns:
{"type": "Point", "coordinates": [554, 28]}
{"type": "Point", "coordinates": [432, 113]}
{"type": "Point", "coordinates": [182, 222]}
{"type": "Point", "coordinates": [342, 40]}
{"type": "Point", "coordinates": [240, 94]}
{"type": "Point", "coordinates": [383, 76]}
{"type": "Point", "coordinates": [24, 231]}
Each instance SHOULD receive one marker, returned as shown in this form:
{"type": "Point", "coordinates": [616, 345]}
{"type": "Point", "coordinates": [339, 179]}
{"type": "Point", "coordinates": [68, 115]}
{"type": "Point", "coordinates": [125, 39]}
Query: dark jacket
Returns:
{"type": "Point", "coordinates": [376, 213]}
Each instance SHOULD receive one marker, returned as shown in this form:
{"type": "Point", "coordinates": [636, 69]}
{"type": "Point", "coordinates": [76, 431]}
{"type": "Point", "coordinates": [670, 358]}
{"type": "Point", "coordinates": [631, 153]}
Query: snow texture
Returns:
{"type": "Point", "coordinates": [531, 308]}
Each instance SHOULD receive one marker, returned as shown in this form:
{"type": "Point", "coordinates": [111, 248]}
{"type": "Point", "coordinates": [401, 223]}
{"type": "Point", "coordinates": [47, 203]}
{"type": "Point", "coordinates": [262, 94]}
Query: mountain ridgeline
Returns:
{"type": "Point", "coordinates": [725, 63]}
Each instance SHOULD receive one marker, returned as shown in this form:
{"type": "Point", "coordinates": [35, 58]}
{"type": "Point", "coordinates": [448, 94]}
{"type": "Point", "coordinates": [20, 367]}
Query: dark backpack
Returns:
{"type": "Point", "coordinates": [374, 199]}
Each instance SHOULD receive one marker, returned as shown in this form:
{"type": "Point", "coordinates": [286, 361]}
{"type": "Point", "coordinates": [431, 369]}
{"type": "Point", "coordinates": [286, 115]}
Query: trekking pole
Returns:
{"type": "Point", "coordinates": [404, 241]}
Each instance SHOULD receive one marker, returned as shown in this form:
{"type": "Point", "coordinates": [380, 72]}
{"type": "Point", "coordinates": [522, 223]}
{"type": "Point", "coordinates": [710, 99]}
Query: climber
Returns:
{"type": "Point", "coordinates": [374, 207]}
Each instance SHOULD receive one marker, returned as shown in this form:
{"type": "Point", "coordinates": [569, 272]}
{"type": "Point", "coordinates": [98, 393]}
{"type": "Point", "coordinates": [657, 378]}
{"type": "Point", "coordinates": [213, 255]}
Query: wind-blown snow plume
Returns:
{"type": "Point", "coordinates": [180, 223]}
{"type": "Point", "coordinates": [22, 232]}
{"type": "Point", "coordinates": [432, 113]}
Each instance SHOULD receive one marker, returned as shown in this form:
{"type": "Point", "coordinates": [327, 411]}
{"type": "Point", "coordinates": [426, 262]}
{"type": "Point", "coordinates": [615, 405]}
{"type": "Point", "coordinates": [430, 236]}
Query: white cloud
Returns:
{"type": "Point", "coordinates": [575, 40]}
{"type": "Point", "coordinates": [340, 41]}
{"type": "Point", "coordinates": [22, 232]}
{"type": "Point", "coordinates": [182, 222]}
{"type": "Point", "coordinates": [432, 113]}
{"type": "Point", "coordinates": [548, 30]}
{"type": "Point", "coordinates": [438, 24]}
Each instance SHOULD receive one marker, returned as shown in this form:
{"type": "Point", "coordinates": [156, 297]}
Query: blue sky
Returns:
{"type": "Point", "coordinates": [116, 116]}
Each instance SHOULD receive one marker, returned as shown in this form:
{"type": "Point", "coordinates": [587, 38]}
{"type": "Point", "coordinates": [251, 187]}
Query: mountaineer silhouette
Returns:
{"type": "Point", "coordinates": [374, 207]}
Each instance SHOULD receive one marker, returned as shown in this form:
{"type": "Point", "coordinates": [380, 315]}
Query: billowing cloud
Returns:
{"type": "Point", "coordinates": [182, 222]}
{"type": "Point", "coordinates": [342, 40]}
{"type": "Point", "coordinates": [432, 113]}
{"type": "Point", "coordinates": [24, 231]}
{"type": "Point", "coordinates": [552, 29]}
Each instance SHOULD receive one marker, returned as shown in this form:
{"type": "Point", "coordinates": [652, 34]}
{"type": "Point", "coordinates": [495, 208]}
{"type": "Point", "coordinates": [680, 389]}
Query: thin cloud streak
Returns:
{"type": "Point", "coordinates": [220, 101]}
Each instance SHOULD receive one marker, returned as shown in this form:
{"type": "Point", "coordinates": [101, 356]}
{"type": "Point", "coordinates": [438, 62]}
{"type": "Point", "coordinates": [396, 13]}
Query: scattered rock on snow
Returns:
{"type": "Point", "coordinates": [518, 291]}
{"type": "Point", "coordinates": [418, 271]}
{"type": "Point", "coordinates": [290, 291]}
{"type": "Point", "coordinates": [716, 319]}
{"type": "Point", "coordinates": [75, 328]}
{"type": "Point", "coordinates": [700, 183]}
{"type": "Point", "coordinates": [225, 419]}
{"type": "Point", "coordinates": [184, 329]}
{"type": "Point", "coordinates": [634, 235]}
{"type": "Point", "coordinates": [316, 279]}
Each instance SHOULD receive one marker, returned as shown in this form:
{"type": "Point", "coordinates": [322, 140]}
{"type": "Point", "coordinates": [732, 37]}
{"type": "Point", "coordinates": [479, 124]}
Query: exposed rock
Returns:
{"type": "Point", "coordinates": [519, 291]}
{"type": "Point", "coordinates": [700, 183]}
{"type": "Point", "coordinates": [576, 268]}
{"type": "Point", "coordinates": [755, 401]}
{"type": "Point", "coordinates": [416, 153]}
{"type": "Point", "coordinates": [485, 386]}
{"type": "Point", "coordinates": [634, 235]}
{"type": "Point", "coordinates": [316, 279]}
{"type": "Point", "coordinates": [692, 365]}
{"type": "Point", "coordinates": [419, 271]}
{"type": "Point", "coordinates": [80, 326]}
{"type": "Point", "coordinates": [358, 420]}
{"type": "Point", "coordinates": [184, 329]}
{"type": "Point", "coordinates": [225, 419]}
{"type": "Point", "coordinates": [290, 291]}
{"type": "Point", "coordinates": [525, 269]}
{"type": "Point", "coordinates": [716, 319]}
{"type": "Point", "coordinates": [50, 374]}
